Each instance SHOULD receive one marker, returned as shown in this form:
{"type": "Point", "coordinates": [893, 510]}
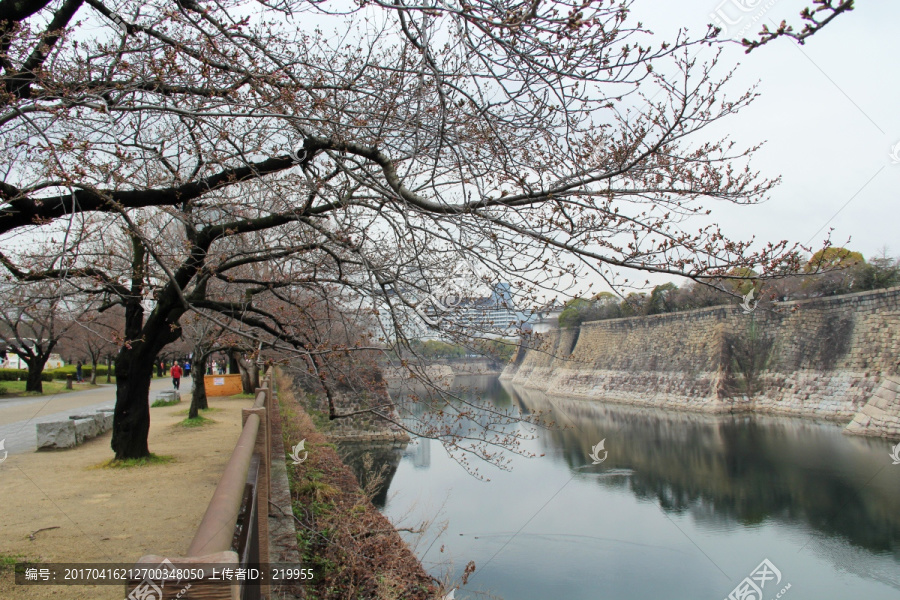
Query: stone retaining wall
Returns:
{"type": "Point", "coordinates": [822, 358]}
{"type": "Point", "coordinates": [364, 426]}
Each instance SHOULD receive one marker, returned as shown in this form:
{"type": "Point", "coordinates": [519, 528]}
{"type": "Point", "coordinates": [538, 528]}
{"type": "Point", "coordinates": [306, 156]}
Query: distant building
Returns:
{"type": "Point", "coordinates": [492, 315]}
{"type": "Point", "coordinates": [546, 318]}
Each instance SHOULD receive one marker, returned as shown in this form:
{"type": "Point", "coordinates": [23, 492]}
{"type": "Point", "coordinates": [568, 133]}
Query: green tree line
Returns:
{"type": "Point", "coordinates": [829, 272]}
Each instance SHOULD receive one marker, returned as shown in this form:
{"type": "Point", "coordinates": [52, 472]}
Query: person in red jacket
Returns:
{"type": "Point", "coordinates": [176, 375]}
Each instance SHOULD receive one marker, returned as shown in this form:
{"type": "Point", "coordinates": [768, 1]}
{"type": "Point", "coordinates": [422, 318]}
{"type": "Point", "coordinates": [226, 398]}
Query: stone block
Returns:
{"type": "Point", "coordinates": [862, 420]}
{"type": "Point", "coordinates": [891, 384]}
{"type": "Point", "coordinates": [880, 402]}
{"type": "Point", "coordinates": [104, 418]}
{"type": "Point", "coordinates": [85, 429]}
{"type": "Point", "coordinates": [168, 395]}
{"type": "Point", "coordinates": [873, 411]}
{"type": "Point", "coordinates": [884, 393]}
{"type": "Point", "coordinates": [58, 434]}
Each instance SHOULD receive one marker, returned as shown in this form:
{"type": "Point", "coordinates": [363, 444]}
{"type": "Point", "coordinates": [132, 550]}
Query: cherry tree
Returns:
{"type": "Point", "coordinates": [92, 336]}
{"type": "Point", "coordinates": [32, 323]}
{"type": "Point", "coordinates": [356, 152]}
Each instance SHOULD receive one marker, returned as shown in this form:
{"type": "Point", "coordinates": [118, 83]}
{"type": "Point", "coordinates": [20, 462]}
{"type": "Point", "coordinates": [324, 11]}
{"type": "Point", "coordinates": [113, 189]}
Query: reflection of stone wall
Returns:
{"type": "Point", "coordinates": [374, 464]}
{"type": "Point", "coordinates": [824, 358]}
{"type": "Point", "coordinates": [734, 467]}
{"type": "Point", "coordinates": [362, 426]}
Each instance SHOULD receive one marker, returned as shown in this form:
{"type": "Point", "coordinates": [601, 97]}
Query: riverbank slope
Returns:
{"type": "Point", "coordinates": [354, 549]}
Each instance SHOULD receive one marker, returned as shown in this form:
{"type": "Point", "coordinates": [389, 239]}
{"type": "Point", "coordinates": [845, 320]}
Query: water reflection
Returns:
{"type": "Point", "coordinates": [684, 501]}
{"type": "Point", "coordinates": [414, 398]}
{"type": "Point", "coordinates": [420, 453]}
{"type": "Point", "coordinates": [374, 464]}
{"type": "Point", "coordinates": [743, 469]}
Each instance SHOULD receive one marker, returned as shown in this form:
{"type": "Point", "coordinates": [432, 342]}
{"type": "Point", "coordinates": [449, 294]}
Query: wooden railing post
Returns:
{"type": "Point", "coordinates": [214, 537]}
{"type": "Point", "coordinates": [209, 589]}
{"type": "Point", "coordinates": [263, 485]}
{"type": "Point", "coordinates": [270, 406]}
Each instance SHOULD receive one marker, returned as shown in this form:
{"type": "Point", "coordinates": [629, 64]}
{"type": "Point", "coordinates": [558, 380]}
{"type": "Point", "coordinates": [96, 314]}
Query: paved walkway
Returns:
{"type": "Point", "coordinates": [19, 416]}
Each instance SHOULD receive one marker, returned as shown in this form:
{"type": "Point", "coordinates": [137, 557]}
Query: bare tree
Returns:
{"type": "Point", "coordinates": [247, 368]}
{"type": "Point", "coordinates": [93, 336]}
{"type": "Point", "coordinates": [181, 145]}
{"type": "Point", "coordinates": [206, 338]}
{"type": "Point", "coordinates": [32, 322]}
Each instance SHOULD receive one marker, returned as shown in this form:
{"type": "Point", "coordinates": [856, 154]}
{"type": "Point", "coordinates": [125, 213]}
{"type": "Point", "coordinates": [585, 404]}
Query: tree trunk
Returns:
{"type": "Point", "coordinates": [134, 370]}
{"type": "Point", "coordinates": [198, 393]}
{"type": "Point", "coordinates": [131, 422]}
{"type": "Point", "coordinates": [135, 361]}
{"type": "Point", "coordinates": [33, 381]}
{"type": "Point", "coordinates": [249, 372]}
{"type": "Point", "coordinates": [108, 368]}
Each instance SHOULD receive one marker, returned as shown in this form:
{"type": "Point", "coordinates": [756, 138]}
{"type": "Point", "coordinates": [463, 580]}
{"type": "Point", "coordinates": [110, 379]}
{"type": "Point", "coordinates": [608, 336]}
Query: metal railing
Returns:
{"type": "Point", "coordinates": [234, 530]}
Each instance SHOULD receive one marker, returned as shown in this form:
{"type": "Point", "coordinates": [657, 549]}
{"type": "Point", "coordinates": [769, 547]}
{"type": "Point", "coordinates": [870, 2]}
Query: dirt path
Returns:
{"type": "Point", "coordinates": [108, 515]}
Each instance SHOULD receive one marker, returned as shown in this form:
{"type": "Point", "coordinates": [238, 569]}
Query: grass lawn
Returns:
{"type": "Point", "coordinates": [198, 421]}
{"type": "Point", "coordinates": [158, 403]}
{"type": "Point", "coordinates": [153, 459]}
{"type": "Point", "coordinates": [17, 388]}
{"type": "Point", "coordinates": [203, 410]}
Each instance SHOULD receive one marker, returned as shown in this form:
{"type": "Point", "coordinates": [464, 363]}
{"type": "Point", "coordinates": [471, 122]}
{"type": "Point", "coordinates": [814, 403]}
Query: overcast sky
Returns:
{"type": "Point", "coordinates": [829, 111]}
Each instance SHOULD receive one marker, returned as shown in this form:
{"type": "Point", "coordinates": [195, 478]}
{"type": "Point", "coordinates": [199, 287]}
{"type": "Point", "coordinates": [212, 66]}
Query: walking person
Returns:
{"type": "Point", "coordinates": [79, 373]}
{"type": "Point", "coordinates": [187, 368]}
{"type": "Point", "coordinates": [176, 375]}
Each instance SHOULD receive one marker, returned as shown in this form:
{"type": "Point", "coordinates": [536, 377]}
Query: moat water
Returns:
{"type": "Point", "coordinates": [683, 506]}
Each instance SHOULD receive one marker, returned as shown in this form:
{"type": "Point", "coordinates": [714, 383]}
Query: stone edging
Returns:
{"type": "Point", "coordinates": [282, 528]}
{"type": "Point", "coordinates": [74, 430]}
